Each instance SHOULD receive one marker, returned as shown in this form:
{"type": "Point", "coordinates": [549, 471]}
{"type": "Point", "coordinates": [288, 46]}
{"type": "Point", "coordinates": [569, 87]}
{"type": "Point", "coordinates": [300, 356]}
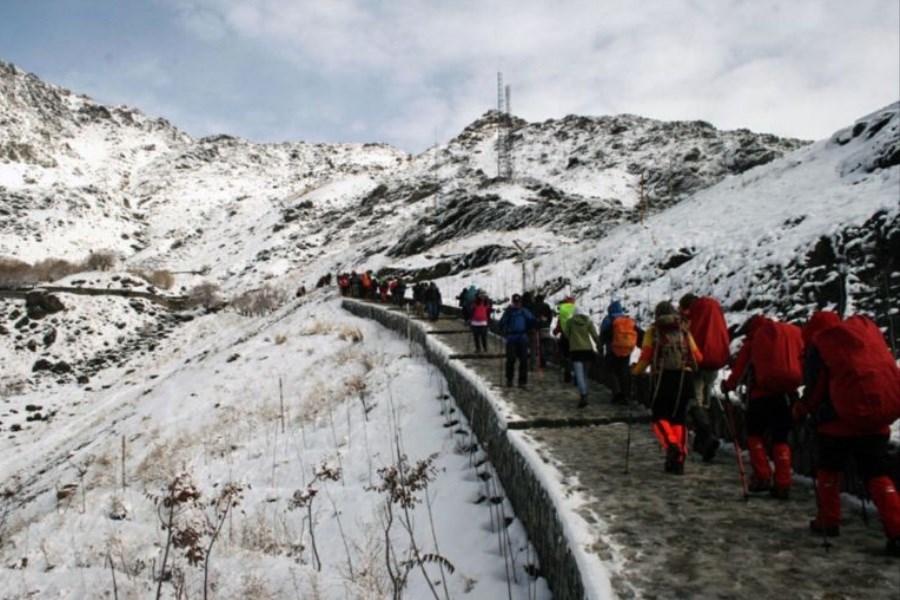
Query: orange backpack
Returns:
{"type": "Point", "coordinates": [624, 336]}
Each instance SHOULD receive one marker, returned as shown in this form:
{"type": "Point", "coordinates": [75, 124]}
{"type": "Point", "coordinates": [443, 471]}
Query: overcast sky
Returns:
{"type": "Point", "coordinates": [413, 72]}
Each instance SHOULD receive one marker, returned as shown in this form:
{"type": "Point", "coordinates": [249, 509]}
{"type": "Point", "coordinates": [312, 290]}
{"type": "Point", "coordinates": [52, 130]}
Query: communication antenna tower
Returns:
{"type": "Point", "coordinates": [504, 131]}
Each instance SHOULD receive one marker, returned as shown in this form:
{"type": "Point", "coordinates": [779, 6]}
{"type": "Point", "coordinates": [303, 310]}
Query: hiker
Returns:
{"type": "Point", "coordinates": [515, 325]}
{"type": "Point", "coordinates": [619, 336]}
{"type": "Point", "coordinates": [770, 364]}
{"type": "Point", "coordinates": [544, 316]}
{"type": "Point", "coordinates": [564, 313]}
{"type": "Point", "coordinates": [418, 294]}
{"type": "Point", "coordinates": [479, 319]}
{"type": "Point", "coordinates": [432, 298]}
{"type": "Point", "coordinates": [844, 363]}
{"type": "Point", "coordinates": [581, 334]}
{"type": "Point", "coordinates": [672, 355]}
{"type": "Point", "coordinates": [344, 284]}
{"type": "Point", "coordinates": [465, 299]}
{"type": "Point", "coordinates": [706, 322]}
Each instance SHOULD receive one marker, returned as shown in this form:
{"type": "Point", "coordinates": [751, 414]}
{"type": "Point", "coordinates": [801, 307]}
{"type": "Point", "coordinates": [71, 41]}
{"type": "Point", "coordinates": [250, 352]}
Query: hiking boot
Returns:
{"type": "Point", "coordinates": [523, 386]}
{"type": "Point", "coordinates": [820, 527]}
{"type": "Point", "coordinates": [709, 453]}
{"type": "Point", "coordinates": [582, 402]}
{"type": "Point", "coordinates": [758, 486]}
{"type": "Point", "coordinates": [509, 383]}
{"type": "Point", "coordinates": [678, 469]}
{"type": "Point", "coordinates": [892, 548]}
{"type": "Point", "coordinates": [780, 493]}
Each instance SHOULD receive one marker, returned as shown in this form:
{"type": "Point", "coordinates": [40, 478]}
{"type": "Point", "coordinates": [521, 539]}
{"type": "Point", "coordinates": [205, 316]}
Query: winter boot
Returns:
{"type": "Point", "coordinates": [828, 494]}
{"type": "Point", "coordinates": [884, 495]}
{"type": "Point", "coordinates": [582, 402]}
{"type": "Point", "coordinates": [783, 479]}
{"type": "Point", "coordinates": [759, 460]}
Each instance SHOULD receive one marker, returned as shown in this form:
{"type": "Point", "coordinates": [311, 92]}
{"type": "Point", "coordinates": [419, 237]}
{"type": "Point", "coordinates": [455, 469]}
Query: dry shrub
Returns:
{"type": "Point", "coordinates": [256, 535]}
{"type": "Point", "coordinates": [15, 272]}
{"type": "Point", "coordinates": [206, 295]}
{"type": "Point", "coordinates": [165, 459]}
{"type": "Point", "coordinates": [51, 269]}
{"type": "Point", "coordinates": [254, 587]}
{"type": "Point", "coordinates": [100, 260]}
{"type": "Point", "coordinates": [350, 333]}
{"type": "Point", "coordinates": [160, 278]}
{"type": "Point", "coordinates": [317, 328]}
{"type": "Point", "coordinates": [259, 302]}
{"type": "Point", "coordinates": [371, 579]}
{"type": "Point", "coordinates": [280, 339]}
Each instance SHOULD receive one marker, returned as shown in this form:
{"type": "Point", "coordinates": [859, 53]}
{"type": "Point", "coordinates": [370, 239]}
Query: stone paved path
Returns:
{"type": "Point", "coordinates": [693, 536]}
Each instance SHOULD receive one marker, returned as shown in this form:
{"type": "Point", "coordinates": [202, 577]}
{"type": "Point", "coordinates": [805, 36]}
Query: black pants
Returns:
{"type": "Point", "coordinates": [770, 413]}
{"type": "Point", "coordinates": [479, 332]}
{"type": "Point", "coordinates": [870, 452]}
{"type": "Point", "coordinates": [517, 351]}
{"type": "Point", "coordinates": [617, 376]}
{"type": "Point", "coordinates": [672, 390]}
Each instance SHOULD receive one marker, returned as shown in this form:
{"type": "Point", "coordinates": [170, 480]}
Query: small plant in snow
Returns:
{"type": "Point", "coordinates": [100, 260]}
{"type": "Point", "coordinates": [401, 483]}
{"type": "Point", "coordinates": [188, 525]}
{"type": "Point", "coordinates": [304, 499]}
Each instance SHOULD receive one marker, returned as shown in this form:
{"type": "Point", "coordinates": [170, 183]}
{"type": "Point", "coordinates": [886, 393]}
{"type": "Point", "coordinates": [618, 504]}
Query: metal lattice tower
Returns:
{"type": "Point", "coordinates": [504, 131]}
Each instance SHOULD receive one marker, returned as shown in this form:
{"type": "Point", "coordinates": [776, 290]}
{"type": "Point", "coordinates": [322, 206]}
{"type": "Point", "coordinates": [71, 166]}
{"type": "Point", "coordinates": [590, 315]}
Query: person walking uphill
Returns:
{"type": "Point", "coordinates": [619, 336]}
{"type": "Point", "coordinates": [770, 362]}
{"type": "Point", "coordinates": [852, 391]}
{"type": "Point", "coordinates": [706, 322]}
{"type": "Point", "coordinates": [564, 312]}
{"type": "Point", "coordinates": [670, 352]}
{"type": "Point", "coordinates": [581, 332]}
{"type": "Point", "coordinates": [479, 319]}
{"type": "Point", "coordinates": [515, 325]}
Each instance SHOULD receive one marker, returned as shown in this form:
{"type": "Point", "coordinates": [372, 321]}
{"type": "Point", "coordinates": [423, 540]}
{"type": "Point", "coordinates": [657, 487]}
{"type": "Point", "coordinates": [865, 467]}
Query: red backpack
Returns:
{"type": "Point", "coordinates": [864, 383]}
{"type": "Point", "coordinates": [710, 333]}
{"type": "Point", "coordinates": [776, 354]}
{"type": "Point", "coordinates": [624, 336]}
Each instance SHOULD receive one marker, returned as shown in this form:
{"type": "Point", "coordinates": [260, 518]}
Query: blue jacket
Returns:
{"type": "Point", "coordinates": [515, 323]}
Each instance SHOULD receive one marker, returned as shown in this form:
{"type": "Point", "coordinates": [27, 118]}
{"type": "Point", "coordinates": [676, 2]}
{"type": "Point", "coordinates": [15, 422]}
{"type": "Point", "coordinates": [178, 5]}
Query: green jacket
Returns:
{"type": "Point", "coordinates": [565, 313]}
{"type": "Point", "coordinates": [581, 330]}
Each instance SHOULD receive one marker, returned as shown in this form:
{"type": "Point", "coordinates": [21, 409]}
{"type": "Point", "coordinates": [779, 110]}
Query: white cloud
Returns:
{"type": "Point", "coordinates": [792, 68]}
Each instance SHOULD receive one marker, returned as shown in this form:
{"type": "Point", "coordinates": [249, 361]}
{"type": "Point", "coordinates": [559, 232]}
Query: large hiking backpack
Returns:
{"type": "Point", "coordinates": [710, 332]}
{"type": "Point", "coordinates": [864, 384]}
{"type": "Point", "coordinates": [776, 355]}
{"type": "Point", "coordinates": [673, 351]}
{"type": "Point", "coordinates": [624, 336]}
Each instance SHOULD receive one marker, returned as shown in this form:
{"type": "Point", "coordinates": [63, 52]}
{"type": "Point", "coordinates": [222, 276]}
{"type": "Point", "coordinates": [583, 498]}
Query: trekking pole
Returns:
{"type": "Point", "coordinates": [538, 367]}
{"type": "Point", "coordinates": [728, 409]}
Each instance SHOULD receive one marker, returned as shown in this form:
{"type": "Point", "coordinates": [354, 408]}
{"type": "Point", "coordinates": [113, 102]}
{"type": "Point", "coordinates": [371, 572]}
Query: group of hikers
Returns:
{"type": "Point", "coordinates": [835, 375]}
{"type": "Point", "coordinates": [366, 285]}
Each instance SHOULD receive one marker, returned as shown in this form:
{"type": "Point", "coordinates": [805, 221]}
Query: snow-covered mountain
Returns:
{"type": "Point", "coordinates": [623, 206]}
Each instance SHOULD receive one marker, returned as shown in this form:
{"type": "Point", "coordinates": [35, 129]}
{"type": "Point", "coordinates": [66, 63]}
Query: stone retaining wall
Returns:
{"type": "Point", "coordinates": [531, 502]}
